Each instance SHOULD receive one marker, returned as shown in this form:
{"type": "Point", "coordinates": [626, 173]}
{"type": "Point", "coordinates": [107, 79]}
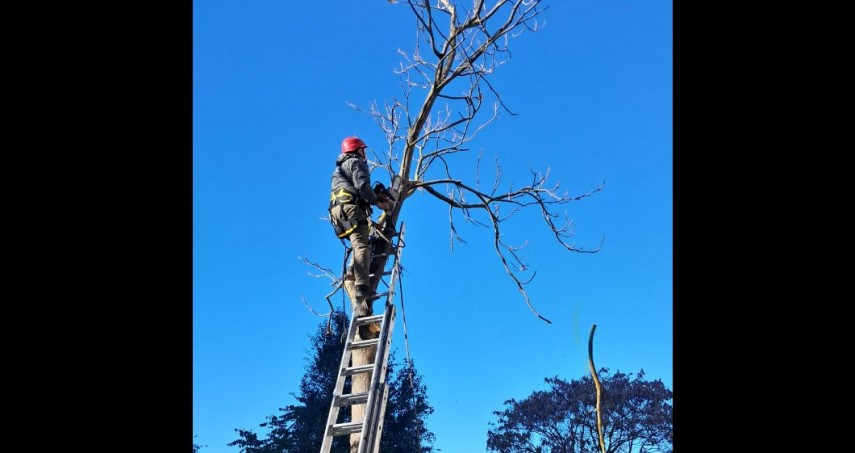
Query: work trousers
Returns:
{"type": "Point", "coordinates": [361, 259]}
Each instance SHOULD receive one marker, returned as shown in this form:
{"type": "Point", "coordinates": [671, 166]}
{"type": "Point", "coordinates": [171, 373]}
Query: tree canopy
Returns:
{"type": "Point", "coordinates": [637, 417]}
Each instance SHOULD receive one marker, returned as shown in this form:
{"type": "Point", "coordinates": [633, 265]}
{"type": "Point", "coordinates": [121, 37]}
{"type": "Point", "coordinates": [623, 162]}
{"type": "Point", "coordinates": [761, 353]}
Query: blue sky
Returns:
{"type": "Point", "coordinates": [271, 83]}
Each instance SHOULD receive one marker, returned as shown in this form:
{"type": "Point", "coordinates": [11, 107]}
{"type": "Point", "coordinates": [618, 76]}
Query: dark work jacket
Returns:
{"type": "Point", "coordinates": [351, 174]}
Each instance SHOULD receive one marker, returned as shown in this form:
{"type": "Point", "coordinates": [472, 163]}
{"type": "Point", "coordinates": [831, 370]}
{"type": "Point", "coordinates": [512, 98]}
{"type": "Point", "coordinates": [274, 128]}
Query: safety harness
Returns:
{"type": "Point", "coordinates": [344, 197]}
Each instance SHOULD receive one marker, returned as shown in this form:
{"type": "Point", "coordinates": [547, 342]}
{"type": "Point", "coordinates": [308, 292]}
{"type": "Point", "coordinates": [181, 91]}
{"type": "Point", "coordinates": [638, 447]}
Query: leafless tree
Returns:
{"type": "Point", "coordinates": [456, 53]}
{"type": "Point", "coordinates": [447, 100]}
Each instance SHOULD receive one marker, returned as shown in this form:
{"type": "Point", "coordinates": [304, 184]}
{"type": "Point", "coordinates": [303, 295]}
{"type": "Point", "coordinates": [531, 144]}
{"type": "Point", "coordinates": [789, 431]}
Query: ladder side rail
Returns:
{"type": "Point", "coordinates": [396, 269]}
{"type": "Point", "coordinates": [378, 409]}
{"type": "Point", "coordinates": [339, 387]}
{"type": "Point", "coordinates": [374, 413]}
{"type": "Point", "coordinates": [368, 421]}
{"type": "Point", "coordinates": [372, 424]}
{"type": "Point", "coordinates": [378, 432]}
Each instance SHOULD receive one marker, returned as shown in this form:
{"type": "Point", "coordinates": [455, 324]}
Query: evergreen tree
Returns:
{"type": "Point", "coordinates": [404, 429]}
{"type": "Point", "coordinates": [300, 427]}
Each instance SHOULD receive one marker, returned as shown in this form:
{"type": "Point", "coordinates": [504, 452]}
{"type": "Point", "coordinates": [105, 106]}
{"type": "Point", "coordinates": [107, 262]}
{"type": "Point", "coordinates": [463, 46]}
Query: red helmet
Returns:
{"type": "Point", "coordinates": [351, 144]}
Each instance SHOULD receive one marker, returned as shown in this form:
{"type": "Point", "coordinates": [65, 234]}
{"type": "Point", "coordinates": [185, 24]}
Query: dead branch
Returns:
{"type": "Point", "coordinates": [456, 54]}
{"type": "Point", "coordinates": [337, 284]}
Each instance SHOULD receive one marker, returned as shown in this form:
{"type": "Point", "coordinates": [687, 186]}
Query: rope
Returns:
{"type": "Point", "coordinates": [404, 320]}
{"type": "Point", "coordinates": [407, 348]}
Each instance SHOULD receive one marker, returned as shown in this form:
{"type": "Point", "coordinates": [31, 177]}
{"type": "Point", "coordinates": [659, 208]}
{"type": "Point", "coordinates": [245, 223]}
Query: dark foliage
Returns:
{"type": "Point", "coordinates": [197, 447]}
{"type": "Point", "coordinates": [404, 429]}
{"type": "Point", "coordinates": [636, 417]}
{"type": "Point", "coordinates": [300, 427]}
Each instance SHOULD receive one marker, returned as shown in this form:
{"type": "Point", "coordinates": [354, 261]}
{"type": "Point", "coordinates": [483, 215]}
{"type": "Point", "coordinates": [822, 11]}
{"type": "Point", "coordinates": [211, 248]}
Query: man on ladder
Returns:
{"type": "Point", "coordinates": [364, 360]}
{"type": "Point", "coordinates": [350, 208]}
{"type": "Point", "coordinates": [366, 350]}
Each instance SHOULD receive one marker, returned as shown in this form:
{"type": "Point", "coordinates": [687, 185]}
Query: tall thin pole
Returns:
{"type": "Point", "coordinates": [597, 385]}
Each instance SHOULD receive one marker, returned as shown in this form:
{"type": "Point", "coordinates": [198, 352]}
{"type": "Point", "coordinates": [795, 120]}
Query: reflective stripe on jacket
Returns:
{"type": "Point", "coordinates": [351, 174]}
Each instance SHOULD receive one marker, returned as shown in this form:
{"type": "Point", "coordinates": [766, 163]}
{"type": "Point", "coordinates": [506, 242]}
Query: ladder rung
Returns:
{"type": "Point", "coordinates": [384, 273]}
{"type": "Point", "coordinates": [368, 319]}
{"type": "Point", "coordinates": [346, 428]}
{"type": "Point", "coordinates": [357, 369]}
{"type": "Point", "coordinates": [354, 398]}
{"type": "Point", "coordinates": [370, 428]}
{"type": "Point", "coordinates": [364, 343]}
{"type": "Point", "coordinates": [378, 295]}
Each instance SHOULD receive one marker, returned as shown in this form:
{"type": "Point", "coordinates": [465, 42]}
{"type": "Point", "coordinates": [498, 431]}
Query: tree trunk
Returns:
{"type": "Point", "coordinates": [361, 381]}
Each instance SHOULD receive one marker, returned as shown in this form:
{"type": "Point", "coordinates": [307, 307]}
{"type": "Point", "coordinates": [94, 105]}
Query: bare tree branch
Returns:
{"type": "Point", "coordinates": [337, 282]}
{"type": "Point", "coordinates": [464, 48]}
{"type": "Point", "coordinates": [324, 271]}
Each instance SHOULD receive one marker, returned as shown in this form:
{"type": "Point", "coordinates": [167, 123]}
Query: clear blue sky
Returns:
{"type": "Point", "coordinates": [271, 80]}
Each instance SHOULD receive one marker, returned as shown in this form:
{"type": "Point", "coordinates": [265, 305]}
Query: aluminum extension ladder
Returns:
{"type": "Point", "coordinates": [371, 427]}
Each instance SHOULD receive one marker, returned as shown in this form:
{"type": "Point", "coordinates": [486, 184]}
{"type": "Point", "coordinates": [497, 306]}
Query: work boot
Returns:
{"type": "Point", "coordinates": [363, 291]}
